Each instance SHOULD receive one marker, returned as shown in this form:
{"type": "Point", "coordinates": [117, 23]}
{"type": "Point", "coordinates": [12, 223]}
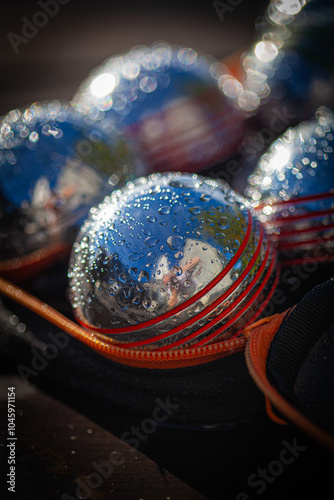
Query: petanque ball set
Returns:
{"type": "Point", "coordinates": [292, 190]}
{"type": "Point", "coordinates": [54, 164]}
{"type": "Point", "coordinates": [166, 267]}
{"type": "Point", "coordinates": [171, 104]}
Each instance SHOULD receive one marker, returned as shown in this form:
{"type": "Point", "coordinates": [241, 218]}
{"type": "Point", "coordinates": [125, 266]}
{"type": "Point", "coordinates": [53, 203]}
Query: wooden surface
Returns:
{"type": "Point", "coordinates": [60, 451]}
{"type": "Point", "coordinates": [60, 441]}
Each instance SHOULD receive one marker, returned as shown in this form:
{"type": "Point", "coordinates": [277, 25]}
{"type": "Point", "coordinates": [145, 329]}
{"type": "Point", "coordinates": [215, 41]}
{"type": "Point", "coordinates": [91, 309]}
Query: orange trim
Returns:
{"type": "Point", "coordinates": [177, 358]}
{"type": "Point", "coordinates": [21, 268]}
{"type": "Point", "coordinates": [247, 331]}
{"type": "Point", "coordinates": [272, 415]}
{"type": "Point", "coordinates": [256, 358]}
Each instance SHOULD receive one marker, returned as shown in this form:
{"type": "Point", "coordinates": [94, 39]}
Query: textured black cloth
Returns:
{"type": "Point", "coordinates": [219, 392]}
{"type": "Point", "coordinates": [300, 361]}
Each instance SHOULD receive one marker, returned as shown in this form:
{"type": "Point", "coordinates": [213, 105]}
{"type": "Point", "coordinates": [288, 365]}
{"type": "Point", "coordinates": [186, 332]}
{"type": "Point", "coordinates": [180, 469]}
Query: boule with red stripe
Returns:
{"type": "Point", "coordinates": [179, 109]}
{"type": "Point", "coordinates": [292, 190]}
{"type": "Point", "coordinates": [171, 260]}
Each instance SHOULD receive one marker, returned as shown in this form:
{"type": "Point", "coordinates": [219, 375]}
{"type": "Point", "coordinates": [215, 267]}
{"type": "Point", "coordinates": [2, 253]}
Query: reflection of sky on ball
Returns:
{"type": "Point", "coordinates": [298, 163]}
{"type": "Point", "coordinates": [158, 243]}
{"type": "Point", "coordinates": [54, 164]}
{"type": "Point", "coordinates": [180, 110]}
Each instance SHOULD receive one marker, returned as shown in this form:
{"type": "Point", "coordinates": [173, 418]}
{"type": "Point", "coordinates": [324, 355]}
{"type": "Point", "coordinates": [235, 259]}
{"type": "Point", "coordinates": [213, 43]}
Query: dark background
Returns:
{"type": "Point", "coordinates": [84, 33]}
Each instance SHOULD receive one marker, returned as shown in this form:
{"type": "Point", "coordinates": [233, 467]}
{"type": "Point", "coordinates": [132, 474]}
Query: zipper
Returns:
{"type": "Point", "coordinates": [140, 358]}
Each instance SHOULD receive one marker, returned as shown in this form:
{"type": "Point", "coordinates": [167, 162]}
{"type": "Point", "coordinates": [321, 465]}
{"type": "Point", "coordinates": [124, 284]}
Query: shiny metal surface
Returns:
{"type": "Point", "coordinates": [169, 258]}
{"type": "Point", "coordinates": [177, 106]}
{"type": "Point", "coordinates": [293, 188]}
{"type": "Point", "coordinates": [54, 165]}
{"type": "Point", "coordinates": [280, 66]}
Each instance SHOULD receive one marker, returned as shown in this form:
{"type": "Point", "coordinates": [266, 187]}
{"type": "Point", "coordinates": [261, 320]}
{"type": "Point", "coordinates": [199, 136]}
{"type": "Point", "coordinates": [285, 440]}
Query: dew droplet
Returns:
{"type": "Point", "coordinates": [235, 244]}
{"type": "Point", "coordinates": [127, 292]}
{"type": "Point", "coordinates": [151, 218]}
{"type": "Point", "coordinates": [164, 210]}
{"type": "Point", "coordinates": [195, 210]}
{"type": "Point", "coordinates": [186, 182]}
{"type": "Point", "coordinates": [198, 307]}
{"type": "Point", "coordinates": [155, 189]}
{"type": "Point", "coordinates": [175, 242]}
{"type": "Point", "coordinates": [177, 270]}
{"type": "Point", "coordinates": [146, 302]}
{"type": "Point", "coordinates": [219, 235]}
{"type": "Point", "coordinates": [151, 241]}
{"type": "Point", "coordinates": [133, 271]}
{"type": "Point", "coordinates": [136, 256]}
{"type": "Point", "coordinates": [122, 277]}
{"type": "Point", "coordinates": [136, 299]}
{"type": "Point", "coordinates": [235, 275]}
{"type": "Point", "coordinates": [143, 276]}
{"type": "Point", "coordinates": [121, 302]}
{"type": "Point", "coordinates": [223, 222]}
{"type": "Point", "coordinates": [187, 283]}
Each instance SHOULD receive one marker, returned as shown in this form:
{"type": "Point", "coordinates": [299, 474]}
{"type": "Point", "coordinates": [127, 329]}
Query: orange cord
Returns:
{"type": "Point", "coordinates": [256, 357]}
{"type": "Point", "coordinates": [247, 331]}
{"type": "Point", "coordinates": [26, 266]}
{"type": "Point", "coordinates": [104, 345]}
{"type": "Point", "coordinates": [271, 414]}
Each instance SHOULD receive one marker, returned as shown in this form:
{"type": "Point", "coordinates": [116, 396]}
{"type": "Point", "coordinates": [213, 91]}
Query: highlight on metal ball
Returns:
{"type": "Point", "coordinates": [171, 260]}
{"type": "Point", "coordinates": [54, 165]}
{"type": "Point", "coordinates": [180, 109]}
{"type": "Point", "coordinates": [292, 190]}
